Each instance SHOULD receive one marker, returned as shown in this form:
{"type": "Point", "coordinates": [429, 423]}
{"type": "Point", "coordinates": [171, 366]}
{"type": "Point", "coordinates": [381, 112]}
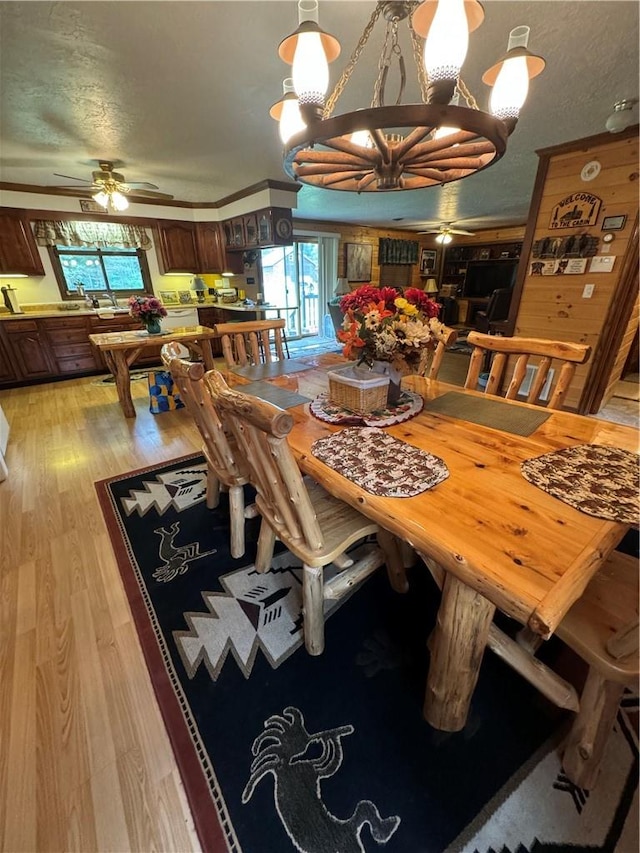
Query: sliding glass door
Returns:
{"type": "Point", "coordinates": [290, 282]}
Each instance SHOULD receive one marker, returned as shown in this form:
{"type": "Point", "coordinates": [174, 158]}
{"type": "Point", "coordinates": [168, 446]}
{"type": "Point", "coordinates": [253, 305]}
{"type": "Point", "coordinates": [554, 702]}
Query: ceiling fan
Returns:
{"type": "Point", "coordinates": [111, 189]}
{"type": "Point", "coordinates": [445, 231]}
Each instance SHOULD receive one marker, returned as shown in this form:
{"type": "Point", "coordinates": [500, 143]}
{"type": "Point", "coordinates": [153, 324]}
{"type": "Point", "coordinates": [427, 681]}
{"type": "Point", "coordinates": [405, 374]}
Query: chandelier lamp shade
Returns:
{"type": "Point", "coordinates": [403, 146]}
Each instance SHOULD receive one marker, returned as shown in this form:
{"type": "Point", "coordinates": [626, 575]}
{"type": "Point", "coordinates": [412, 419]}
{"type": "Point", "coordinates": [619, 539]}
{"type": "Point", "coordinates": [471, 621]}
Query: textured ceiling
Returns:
{"type": "Point", "coordinates": [178, 94]}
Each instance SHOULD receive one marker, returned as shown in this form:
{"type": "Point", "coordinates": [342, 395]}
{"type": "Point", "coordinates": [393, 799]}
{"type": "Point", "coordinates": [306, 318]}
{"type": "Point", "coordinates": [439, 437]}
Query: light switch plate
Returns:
{"type": "Point", "coordinates": [587, 293]}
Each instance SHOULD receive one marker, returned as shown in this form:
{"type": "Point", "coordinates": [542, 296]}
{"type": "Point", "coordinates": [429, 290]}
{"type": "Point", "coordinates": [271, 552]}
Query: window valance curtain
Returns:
{"type": "Point", "coordinates": [49, 232]}
{"type": "Point", "coordinates": [397, 251]}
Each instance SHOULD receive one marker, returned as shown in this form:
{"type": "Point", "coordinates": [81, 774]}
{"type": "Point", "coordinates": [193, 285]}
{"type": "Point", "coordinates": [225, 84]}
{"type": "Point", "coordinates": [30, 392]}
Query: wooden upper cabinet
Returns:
{"type": "Point", "coordinates": [18, 249]}
{"type": "Point", "coordinates": [189, 247]}
{"type": "Point", "coordinates": [272, 226]}
{"type": "Point", "coordinates": [210, 250]}
{"type": "Point", "coordinates": [176, 247]}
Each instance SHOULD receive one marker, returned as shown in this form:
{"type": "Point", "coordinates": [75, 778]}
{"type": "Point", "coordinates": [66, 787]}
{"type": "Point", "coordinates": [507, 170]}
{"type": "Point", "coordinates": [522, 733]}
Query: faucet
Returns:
{"type": "Point", "coordinates": [112, 298]}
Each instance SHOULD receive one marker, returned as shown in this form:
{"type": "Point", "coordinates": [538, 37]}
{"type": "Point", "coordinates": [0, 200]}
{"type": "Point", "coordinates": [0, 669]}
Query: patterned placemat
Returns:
{"type": "Point", "coordinates": [380, 463]}
{"type": "Point", "coordinates": [488, 412]}
{"type": "Point", "coordinates": [278, 396]}
{"type": "Point", "coordinates": [273, 368]}
{"type": "Point", "coordinates": [598, 480]}
{"type": "Point", "coordinates": [409, 405]}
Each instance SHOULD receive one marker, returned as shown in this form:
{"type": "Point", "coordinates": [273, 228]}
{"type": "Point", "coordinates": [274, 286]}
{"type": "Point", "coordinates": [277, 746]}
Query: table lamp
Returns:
{"type": "Point", "coordinates": [431, 286]}
{"type": "Point", "coordinates": [342, 287]}
{"type": "Point", "coordinates": [200, 287]}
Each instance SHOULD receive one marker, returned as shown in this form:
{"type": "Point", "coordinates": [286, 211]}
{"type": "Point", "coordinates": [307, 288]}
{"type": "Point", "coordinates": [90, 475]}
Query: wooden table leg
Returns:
{"type": "Point", "coordinates": [207, 353]}
{"type": "Point", "coordinates": [457, 645]}
{"type": "Point", "coordinates": [119, 366]}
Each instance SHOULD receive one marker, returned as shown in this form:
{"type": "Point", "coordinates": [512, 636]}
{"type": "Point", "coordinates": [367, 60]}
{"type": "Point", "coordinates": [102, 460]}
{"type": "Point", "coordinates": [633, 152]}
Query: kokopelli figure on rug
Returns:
{"type": "Point", "coordinates": [281, 750]}
{"type": "Point", "coordinates": [176, 560]}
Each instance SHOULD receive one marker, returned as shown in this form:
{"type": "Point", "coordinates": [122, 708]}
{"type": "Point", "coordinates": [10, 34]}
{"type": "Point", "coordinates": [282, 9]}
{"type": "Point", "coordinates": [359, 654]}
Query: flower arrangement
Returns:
{"type": "Point", "coordinates": [383, 324]}
{"type": "Point", "coordinates": [147, 309]}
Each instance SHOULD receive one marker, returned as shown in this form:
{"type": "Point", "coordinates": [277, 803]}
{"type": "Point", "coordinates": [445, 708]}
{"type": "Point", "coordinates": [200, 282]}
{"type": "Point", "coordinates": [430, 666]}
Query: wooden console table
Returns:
{"type": "Point", "coordinates": [121, 349]}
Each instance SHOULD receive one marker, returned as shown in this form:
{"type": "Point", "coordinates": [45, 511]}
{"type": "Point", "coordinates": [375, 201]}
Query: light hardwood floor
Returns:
{"type": "Point", "coordinates": [85, 762]}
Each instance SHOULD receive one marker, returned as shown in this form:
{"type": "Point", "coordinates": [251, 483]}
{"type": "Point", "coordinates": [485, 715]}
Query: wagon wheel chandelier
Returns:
{"type": "Point", "coordinates": [399, 147]}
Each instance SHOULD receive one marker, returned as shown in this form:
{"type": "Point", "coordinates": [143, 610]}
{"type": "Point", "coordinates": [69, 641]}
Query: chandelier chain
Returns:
{"type": "Point", "coordinates": [390, 48]}
{"type": "Point", "coordinates": [355, 56]}
{"type": "Point", "coordinates": [464, 91]}
{"type": "Point", "coordinates": [417, 56]}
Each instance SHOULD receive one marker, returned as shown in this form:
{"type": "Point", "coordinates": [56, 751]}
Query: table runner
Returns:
{"type": "Point", "coordinates": [273, 368]}
{"type": "Point", "coordinates": [598, 480]}
{"type": "Point", "coordinates": [408, 406]}
{"type": "Point", "coordinates": [496, 414]}
{"type": "Point", "coordinates": [273, 394]}
{"type": "Point", "coordinates": [380, 463]}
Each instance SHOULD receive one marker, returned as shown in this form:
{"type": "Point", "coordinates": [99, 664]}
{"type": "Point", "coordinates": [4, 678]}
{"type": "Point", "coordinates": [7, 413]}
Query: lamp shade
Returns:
{"type": "Point", "coordinates": [342, 287]}
{"type": "Point", "coordinates": [431, 286]}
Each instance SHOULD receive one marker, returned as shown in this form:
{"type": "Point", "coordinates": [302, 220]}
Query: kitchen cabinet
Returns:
{"type": "Point", "coordinates": [69, 344]}
{"type": "Point", "coordinates": [19, 253]}
{"type": "Point", "coordinates": [122, 323]}
{"type": "Point", "coordinates": [272, 226]}
{"type": "Point", "coordinates": [190, 248]}
{"type": "Point", "coordinates": [176, 247]}
{"type": "Point", "coordinates": [29, 348]}
{"type": "Point", "coordinates": [8, 372]}
{"type": "Point", "coordinates": [209, 247]}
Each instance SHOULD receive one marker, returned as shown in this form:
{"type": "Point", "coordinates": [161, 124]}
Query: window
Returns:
{"type": "Point", "coordinates": [122, 271]}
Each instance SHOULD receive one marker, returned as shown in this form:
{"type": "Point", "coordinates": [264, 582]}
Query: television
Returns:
{"type": "Point", "coordinates": [483, 277]}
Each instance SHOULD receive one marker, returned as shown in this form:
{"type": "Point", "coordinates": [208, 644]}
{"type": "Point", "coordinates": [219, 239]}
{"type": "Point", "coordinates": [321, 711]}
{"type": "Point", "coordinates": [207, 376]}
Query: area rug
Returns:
{"type": "Point", "coordinates": [280, 751]}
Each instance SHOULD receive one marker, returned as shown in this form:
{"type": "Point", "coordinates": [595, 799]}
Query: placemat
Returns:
{"type": "Point", "coordinates": [490, 413]}
{"type": "Point", "coordinates": [598, 480]}
{"type": "Point", "coordinates": [278, 396]}
{"type": "Point", "coordinates": [408, 406]}
{"type": "Point", "coordinates": [273, 368]}
{"type": "Point", "coordinates": [380, 463]}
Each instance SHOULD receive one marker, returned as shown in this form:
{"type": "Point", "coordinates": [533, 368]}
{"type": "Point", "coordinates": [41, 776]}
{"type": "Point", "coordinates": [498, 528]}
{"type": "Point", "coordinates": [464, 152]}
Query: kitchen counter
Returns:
{"type": "Point", "coordinates": [240, 306]}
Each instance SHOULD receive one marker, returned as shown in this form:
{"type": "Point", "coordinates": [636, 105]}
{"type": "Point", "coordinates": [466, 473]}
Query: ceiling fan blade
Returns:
{"type": "Point", "coordinates": [143, 185]}
{"type": "Point", "coordinates": [148, 194]}
{"type": "Point", "coordinates": [71, 178]}
{"type": "Point", "coordinates": [460, 231]}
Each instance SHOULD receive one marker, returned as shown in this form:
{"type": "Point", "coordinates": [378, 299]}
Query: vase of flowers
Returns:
{"type": "Point", "coordinates": [390, 332]}
{"type": "Point", "coordinates": [149, 311]}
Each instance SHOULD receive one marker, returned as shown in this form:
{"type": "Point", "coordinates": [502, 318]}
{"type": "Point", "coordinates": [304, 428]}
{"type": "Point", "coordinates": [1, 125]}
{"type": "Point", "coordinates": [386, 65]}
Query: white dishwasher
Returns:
{"type": "Point", "coordinates": [184, 316]}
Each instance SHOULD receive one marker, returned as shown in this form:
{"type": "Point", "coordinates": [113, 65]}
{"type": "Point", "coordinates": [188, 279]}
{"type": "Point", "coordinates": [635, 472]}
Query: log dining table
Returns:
{"type": "Point", "coordinates": [121, 349]}
{"type": "Point", "coordinates": [500, 541]}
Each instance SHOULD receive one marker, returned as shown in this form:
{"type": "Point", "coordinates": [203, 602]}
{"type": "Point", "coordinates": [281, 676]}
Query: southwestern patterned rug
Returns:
{"type": "Point", "coordinates": [280, 751]}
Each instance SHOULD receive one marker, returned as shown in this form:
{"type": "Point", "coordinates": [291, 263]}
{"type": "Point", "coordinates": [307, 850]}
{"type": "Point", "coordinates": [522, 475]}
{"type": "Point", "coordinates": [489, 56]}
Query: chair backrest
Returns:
{"type": "Point", "coordinates": [261, 430]}
{"type": "Point", "coordinates": [251, 342]}
{"type": "Point", "coordinates": [568, 355]}
{"type": "Point", "coordinates": [446, 338]}
{"type": "Point", "coordinates": [219, 449]}
{"type": "Point", "coordinates": [499, 303]}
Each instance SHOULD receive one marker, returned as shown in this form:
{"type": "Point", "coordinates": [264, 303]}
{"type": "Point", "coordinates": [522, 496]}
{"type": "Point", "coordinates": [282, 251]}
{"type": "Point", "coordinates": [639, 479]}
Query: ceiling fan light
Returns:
{"type": "Point", "coordinates": [102, 198]}
{"type": "Point", "coordinates": [119, 202]}
{"type": "Point", "coordinates": [444, 238]}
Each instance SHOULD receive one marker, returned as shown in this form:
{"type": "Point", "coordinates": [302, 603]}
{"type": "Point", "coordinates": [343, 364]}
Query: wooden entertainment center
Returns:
{"type": "Point", "coordinates": [470, 273]}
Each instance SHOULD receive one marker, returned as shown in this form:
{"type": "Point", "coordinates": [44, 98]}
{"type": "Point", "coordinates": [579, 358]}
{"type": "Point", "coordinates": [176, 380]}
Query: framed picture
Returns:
{"type": "Point", "coordinates": [427, 261]}
{"type": "Point", "coordinates": [185, 297]}
{"type": "Point", "coordinates": [613, 223]}
{"type": "Point", "coordinates": [358, 261]}
{"type": "Point", "coordinates": [169, 297]}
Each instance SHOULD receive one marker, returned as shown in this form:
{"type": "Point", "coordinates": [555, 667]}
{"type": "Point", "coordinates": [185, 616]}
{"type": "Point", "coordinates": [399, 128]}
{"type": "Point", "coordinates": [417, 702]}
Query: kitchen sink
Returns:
{"type": "Point", "coordinates": [106, 313]}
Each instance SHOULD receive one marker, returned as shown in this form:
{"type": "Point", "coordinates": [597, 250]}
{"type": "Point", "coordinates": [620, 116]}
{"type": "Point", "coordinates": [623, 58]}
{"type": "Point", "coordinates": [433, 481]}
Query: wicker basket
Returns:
{"type": "Point", "coordinates": [360, 391]}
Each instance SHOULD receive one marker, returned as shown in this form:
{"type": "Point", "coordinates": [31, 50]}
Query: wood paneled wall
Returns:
{"type": "Point", "coordinates": [553, 306]}
{"type": "Point", "coordinates": [363, 234]}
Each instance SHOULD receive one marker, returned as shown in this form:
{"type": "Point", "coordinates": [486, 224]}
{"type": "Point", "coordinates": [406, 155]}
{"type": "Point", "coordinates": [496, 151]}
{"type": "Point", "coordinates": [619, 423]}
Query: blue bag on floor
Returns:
{"type": "Point", "coordinates": [163, 395]}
